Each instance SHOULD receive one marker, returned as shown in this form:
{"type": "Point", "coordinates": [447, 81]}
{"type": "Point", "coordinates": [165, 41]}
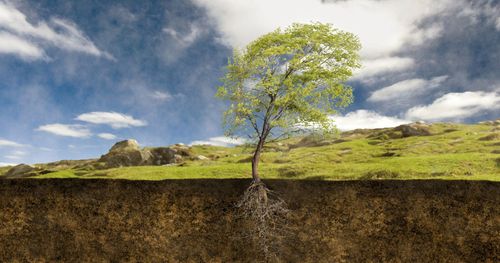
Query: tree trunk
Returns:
{"type": "Point", "coordinates": [255, 161]}
{"type": "Point", "coordinates": [262, 139]}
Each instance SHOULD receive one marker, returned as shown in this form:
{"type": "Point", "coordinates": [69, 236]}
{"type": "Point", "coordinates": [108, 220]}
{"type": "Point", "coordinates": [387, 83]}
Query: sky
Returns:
{"type": "Point", "coordinates": [78, 76]}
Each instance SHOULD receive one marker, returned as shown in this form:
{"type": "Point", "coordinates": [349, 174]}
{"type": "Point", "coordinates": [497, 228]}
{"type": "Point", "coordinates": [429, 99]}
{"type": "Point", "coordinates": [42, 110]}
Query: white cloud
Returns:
{"type": "Point", "coordinates": [481, 12]}
{"type": "Point", "coordinates": [16, 155]}
{"type": "Point", "coordinates": [11, 44]}
{"type": "Point", "coordinates": [405, 88]}
{"type": "Point", "coordinates": [77, 131]}
{"type": "Point", "coordinates": [114, 119]}
{"type": "Point", "coordinates": [456, 106]}
{"type": "Point", "coordinates": [220, 141]}
{"type": "Point", "coordinates": [384, 27]}
{"type": "Point", "coordinates": [55, 32]}
{"type": "Point", "coordinates": [373, 67]}
{"type": "Point", "coordinates": [106, 136]}
{"type": "Point", "coordinates": [365, 119]}
{"type": "Point", "coordinates": [7, 143]}
{"type": "Point", "coordinates": [7, 164]}
{"type": "Point", "coordinates": [419, 36]}
{"type": "Point", "coordinates": [184, 39]}
{"type": "Point", "coordinates": [161, 95]}
{"type": "Point", "coordinates": [46, 149]}
{"type": "Point", "coordinates": [178, 37]}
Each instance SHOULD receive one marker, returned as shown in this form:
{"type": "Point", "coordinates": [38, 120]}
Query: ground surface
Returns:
{"type": "Point", "coordinates": [452, 151]}
{"type": "Point", "coordinates": [193, 221]}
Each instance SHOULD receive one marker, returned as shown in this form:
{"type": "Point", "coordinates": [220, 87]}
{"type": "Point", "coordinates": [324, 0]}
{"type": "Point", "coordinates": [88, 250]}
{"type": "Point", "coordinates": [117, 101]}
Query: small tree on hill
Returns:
{"type": "Point", "coordinates": [282, 81]}
{"type": "Point", "coordinates": [287, 79]}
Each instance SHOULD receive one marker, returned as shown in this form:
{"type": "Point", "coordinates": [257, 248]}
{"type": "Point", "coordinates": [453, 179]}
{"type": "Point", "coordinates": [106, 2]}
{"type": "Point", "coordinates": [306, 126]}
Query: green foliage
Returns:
{"type": "Point", "coordinates": [289, 78]}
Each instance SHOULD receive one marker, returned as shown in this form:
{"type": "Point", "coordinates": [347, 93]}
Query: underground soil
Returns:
{"type": "Point", "coordinates": [71, 220]}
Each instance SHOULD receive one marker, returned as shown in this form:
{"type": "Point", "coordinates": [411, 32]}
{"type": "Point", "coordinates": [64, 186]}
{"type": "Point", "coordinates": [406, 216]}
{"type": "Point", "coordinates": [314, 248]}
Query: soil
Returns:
{"type": "Point", "coordinates": [71, 220]}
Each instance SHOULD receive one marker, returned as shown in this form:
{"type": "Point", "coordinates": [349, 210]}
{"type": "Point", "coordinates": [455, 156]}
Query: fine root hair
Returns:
{"type": "Point", "coordinates": [266, 217]}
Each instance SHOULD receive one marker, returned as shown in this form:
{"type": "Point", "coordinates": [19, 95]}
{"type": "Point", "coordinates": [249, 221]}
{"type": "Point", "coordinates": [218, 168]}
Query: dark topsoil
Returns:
{"type": "Point", "coordinates": [66, 220]}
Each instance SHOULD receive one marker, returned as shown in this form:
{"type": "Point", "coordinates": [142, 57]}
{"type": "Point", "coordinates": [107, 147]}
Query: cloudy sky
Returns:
{"type": "Point", "coordinates": [76, 76]}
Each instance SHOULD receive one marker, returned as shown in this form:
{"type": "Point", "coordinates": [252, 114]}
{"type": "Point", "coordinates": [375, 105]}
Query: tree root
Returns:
{"type": "Point", "coordinates": [266, 216]}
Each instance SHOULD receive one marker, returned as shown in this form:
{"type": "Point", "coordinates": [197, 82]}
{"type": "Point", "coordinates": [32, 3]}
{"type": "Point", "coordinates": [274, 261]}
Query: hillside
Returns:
{"type": "Point", "coordinates": [415, 151]}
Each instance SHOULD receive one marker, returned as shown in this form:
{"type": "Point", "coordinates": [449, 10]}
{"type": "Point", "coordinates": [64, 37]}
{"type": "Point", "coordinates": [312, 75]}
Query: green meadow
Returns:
{"type": "Point", "coordinates": [451, 152]}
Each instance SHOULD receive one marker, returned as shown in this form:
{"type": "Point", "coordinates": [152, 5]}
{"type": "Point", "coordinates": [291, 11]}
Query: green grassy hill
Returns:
{"type": "Point", "coordinates": [442, 151]}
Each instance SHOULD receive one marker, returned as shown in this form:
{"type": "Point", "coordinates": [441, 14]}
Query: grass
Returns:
{"type": "Point", "coordinates": [4, 169]}
{"type": "Point", "coordinates": [453, 152]}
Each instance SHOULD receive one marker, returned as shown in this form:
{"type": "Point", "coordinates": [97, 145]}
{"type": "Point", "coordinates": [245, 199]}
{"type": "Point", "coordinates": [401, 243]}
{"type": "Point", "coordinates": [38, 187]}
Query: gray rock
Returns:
{"type": "Point", "coordinates": [162, 155]}
{"type": "Point", "coordinates": [202, 158]}
{"type": "Point", "coordinates": [178, 158]}
{"type": "Point", "coordinates": [127, 145]}
{"type": "Point", "coordinates": [414, 129]}
{"type": "Point", "coordinates": [128, 153]}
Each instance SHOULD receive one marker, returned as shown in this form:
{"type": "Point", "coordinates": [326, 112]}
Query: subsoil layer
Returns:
{"type": "Point", "coordinates": [71, 220]}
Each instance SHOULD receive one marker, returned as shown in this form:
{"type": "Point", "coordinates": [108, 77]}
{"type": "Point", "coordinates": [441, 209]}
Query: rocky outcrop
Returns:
{"type": "Point", "coordinates": [414, 129]}
{"type": "Point", "coordinates": [127, 158]}
{"type": "Point", "coordinates": [21, 170]}
{"type": "Point", "coordinates": [125, 146]}
{"type": "Point", "coordinates": [128, 153]}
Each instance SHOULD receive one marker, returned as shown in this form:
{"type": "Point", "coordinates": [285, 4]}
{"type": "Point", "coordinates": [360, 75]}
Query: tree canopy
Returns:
{"type": "Point", "coordinates": [288, 79]}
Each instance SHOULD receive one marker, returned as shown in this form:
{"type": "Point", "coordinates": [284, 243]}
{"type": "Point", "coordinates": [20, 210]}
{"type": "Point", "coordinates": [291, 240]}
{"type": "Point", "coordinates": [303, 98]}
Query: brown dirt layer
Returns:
{"type": "Point", "coordinates": [69, 220]}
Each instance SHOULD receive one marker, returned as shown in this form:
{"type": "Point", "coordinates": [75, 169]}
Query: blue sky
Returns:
{"type": "Point", "coordinates": [77, 76]}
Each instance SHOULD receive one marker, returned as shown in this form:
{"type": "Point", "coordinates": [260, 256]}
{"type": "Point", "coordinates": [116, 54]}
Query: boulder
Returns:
{"type": "Point", "coordinates": [202, 158]}
{"type": "Point", "coordinates": [414, 129]}
{"type": "Point", "coordinates": [21, 170]}
{"type": "Point", "coordinates": [125, 146]}
{"type": "Point", "coordinates": [178, 158]}
{"type": "Point", "coordinates": [128, 153]}
{"type": "Point", "coordinates": [182, 150]}
{"type": "Point", "coordinates": [115, 158]}
{"type": "Point", "coordinates": [162, 155]}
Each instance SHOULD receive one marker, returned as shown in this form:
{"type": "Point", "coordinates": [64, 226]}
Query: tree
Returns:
{"type": "Point", "coordinates": [286, 80]}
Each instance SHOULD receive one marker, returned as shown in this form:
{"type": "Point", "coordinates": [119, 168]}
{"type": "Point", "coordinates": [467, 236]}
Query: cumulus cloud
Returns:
{"type": "Point", "coordinates": [76, 131]}
{"type": "Point", "coordinates": [405, 88]}
{"type": "Point", "coordinates": [365, 119]}
{"type": "Point", "coordinates": [106, 136]}
{"type": "Point", "coordinates": [15, 29]}
{"type": "Point", "coordinates": [114, 119]}
{"type": "Point", "coordinates": [384, 27]}
{"type": "Point", "coordinates": [456, 106]}
{"type": "Point", "coordinates": [7, 143]}
{"type": "Point", "coordinates": [220, 141]}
